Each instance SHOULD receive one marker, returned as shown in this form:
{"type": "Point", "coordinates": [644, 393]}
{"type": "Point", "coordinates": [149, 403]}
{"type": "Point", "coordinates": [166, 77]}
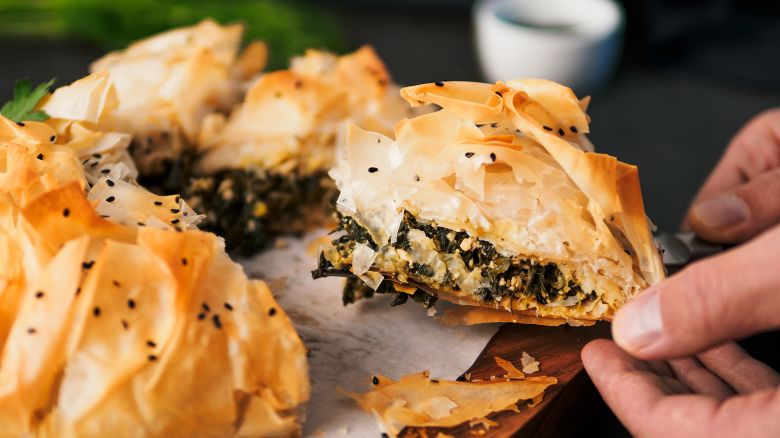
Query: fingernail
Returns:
{"type": "Point", "coordinates": [722, 212]}
{"type": "Point", "coordinates": [639, 323]}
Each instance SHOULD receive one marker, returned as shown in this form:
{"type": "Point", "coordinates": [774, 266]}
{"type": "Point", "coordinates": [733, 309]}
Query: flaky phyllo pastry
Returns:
{"type": "Point", "coordinates": [251, 154]}
{"type": "Point", "coordinates": [117, 316]}
{"type": "Point", "coordinates": [167, 84]}
{"type": "Point", "coordinates": [495, 201]}
{"type": "Point", "coordinates": [262, 170]}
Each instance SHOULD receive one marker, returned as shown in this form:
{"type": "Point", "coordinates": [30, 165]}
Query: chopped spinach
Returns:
{"type": "Point", "coordinates": [508, 276]}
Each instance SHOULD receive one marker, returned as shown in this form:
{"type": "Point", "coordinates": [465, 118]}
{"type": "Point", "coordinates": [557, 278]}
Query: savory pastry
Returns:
{"type": "Point", "coordinates": [166, 84]}
{"type": "Point", "coordinates": [495, 201]}
{"type": "Point", "coordinates": [416, 400]}
{"type": "Point", "coordinates": [262, 171]}
{"type": "Point", "coordinates": [117, 316]}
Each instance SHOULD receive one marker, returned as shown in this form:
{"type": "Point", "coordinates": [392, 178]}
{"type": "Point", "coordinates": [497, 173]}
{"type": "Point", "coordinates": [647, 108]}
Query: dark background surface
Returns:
{"type": "Point", "coordinates": [692, 73]}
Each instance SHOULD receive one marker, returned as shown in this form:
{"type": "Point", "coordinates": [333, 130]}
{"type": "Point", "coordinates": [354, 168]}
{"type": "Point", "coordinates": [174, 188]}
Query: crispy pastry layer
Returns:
{"type": "Point", "coordinates": [505, 166]}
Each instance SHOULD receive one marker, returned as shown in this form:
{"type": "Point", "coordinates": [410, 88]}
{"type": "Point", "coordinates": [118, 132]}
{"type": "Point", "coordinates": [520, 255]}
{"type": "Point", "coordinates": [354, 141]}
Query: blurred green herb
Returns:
{"type": "Point", "coordinates": [289, 27]}
{"type": "Point", "coordinates": [22, 106]}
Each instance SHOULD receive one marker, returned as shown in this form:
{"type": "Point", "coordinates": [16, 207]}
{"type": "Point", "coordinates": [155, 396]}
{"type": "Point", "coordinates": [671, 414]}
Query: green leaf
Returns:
{"type": "Point", "coordinates": [22, 107]}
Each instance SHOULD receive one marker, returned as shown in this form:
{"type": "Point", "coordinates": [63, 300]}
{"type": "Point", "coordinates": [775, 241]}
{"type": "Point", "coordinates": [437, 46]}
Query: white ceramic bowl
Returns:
{"type": "Point", "coordinates": [573, 42]}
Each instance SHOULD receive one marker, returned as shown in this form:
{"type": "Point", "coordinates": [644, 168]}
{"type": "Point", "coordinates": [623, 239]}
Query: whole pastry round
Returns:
{"type": "Point", "coordinates": [117, 316]}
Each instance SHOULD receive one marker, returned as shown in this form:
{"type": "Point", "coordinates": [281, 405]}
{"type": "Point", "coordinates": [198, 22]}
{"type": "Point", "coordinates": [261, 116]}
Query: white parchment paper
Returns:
{"type": "Point", "coordinates": [350, 344]}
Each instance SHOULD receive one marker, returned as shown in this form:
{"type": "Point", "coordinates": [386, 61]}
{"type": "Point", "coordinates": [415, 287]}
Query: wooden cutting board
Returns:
{"type": "Point", "coordinates": [558, 351]}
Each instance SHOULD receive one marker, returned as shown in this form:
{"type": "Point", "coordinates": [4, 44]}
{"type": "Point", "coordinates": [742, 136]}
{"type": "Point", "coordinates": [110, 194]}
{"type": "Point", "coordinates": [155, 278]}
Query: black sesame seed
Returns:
{"type": "Point", "coordinates": [573, 129]}
{"type": "Point", "coordinates": [66, 212]}
{"type": "Point", "coordinates": [174, 210]}
{"type": "Point", "coordinates": [105, 216]}
{"type": "Point", "coordinates": [31, 330]}
{"type": "Point", "coordinates": [125, 325]}
{"type": "Point", "coordinates": [40, 156]}
{"type": "Point", "coordinates": [439, 83]}
{"type": "Point", "coordinates": [469, 154]}
{"type": "Point", "coordinates": [152, 358]}
{"type": "Point", "coordinates": [494, 125]}
{"type": "Point", "coordinates": [96, 155]}
{"type": "Point", "coordinates": [272, 311]}
{"type": "Point", "coordinates": [175, 221]}
{"type": "Point", "coordinates": [178, 229]}
{"type": "Point", "coordinates": [53, 138]}
{"type": "Point", "coordinates": [93, 164]}
{"type": "Point", "coordinates": [561, 132]}
{"type": "Point", "coordinates": [206, 307]}
{"type": "Point", "coordinates": [217, 322]}
{"type": "Point", "coordinates": [372, 170]}
{"type": "Point", "coordinates": [131, 303]}
{"type": "Point", "coordinates": [141, 224]}
{"type": "Point", "coordinates": [417, 177]}
{"type": "Point", "coordinates": [201, 316]}
{"type": "Point", "coordinates": [116, 283]}
{"type": "Point", "coordinates": [105, 171]}
{"type": "Point", "coordinates": [39, 294]}
{"type": "Point", "coordinates": [20, 123]}
{"type": "Point", "coordinates": [229, 306]}
{"type": "Point", "coordinates": [184, 261]}
{"type": "Point", "coordinates": [78, 290]}
{"type": "Point", "coordinates": [434, 381]}
{"type": "Point", "coordinates": [177, 199]}
{"type": "Point", "coordinates": [96, 311]}
{"type": "Point", "coordinates": [375, 380]}
{"type": "Point", "coordinates": [547, 128]}
{"type": "Point", "coordinates": [151, 343]}
{"type": "Point", "coordinates": [88, 265]}
{"type": "Point", "coordinates": [157, 203]}
{"type": "Point", "coordinates": [493, 157]}
{"type": "Point", "coordinates": [110, 183]}
{"type": "Point", "coordinates": [110, 199]}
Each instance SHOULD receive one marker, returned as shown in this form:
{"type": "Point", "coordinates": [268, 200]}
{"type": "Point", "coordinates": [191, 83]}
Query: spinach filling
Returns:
{"type": "Point", "coordinates": [249, 208]}
{"type": "Point", "coordinates": [507, 276]}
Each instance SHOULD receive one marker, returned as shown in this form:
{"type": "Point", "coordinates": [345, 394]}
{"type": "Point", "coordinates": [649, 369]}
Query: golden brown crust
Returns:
{"type": "Point", "coordinates": [509, 165]}
{"type": "Point", "coordinates": [119, 323]}
{"type": "Point", "coordinates": [291, 119]}
{"type": "Point", "coordinates": [473, 311]}
{"type": "Point", "coordinates": [614, 186]}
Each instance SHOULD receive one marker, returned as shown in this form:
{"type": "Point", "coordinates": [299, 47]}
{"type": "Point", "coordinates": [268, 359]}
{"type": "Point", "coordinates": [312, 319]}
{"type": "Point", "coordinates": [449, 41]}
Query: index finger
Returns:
{"type": "Point", "coordinates": [754, 150]}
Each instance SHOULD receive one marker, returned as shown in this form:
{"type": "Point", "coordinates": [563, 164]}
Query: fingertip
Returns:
{"type": "Point", "coordinates": [719, 219]}
{"type": "Point", "coordinates": [639, 324]}
{"type": "Point", "coordinates": [593, 350]}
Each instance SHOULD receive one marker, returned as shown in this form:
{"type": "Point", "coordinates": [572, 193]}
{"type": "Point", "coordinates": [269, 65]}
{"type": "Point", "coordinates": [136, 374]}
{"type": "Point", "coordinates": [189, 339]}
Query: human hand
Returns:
{"type": "Point", "coordinates": [741, 197]}
{"type": "Point", "coordinates": [686, 386]}
{"type": "Point", "coordinates": [654, 375]}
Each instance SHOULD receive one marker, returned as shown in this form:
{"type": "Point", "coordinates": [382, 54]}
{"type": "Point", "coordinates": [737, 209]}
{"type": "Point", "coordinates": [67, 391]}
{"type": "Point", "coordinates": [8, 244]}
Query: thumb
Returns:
{"type": "Point", "coordinates": [721, 298]}
{"type": "Point", "coordinates": [740, 213]}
